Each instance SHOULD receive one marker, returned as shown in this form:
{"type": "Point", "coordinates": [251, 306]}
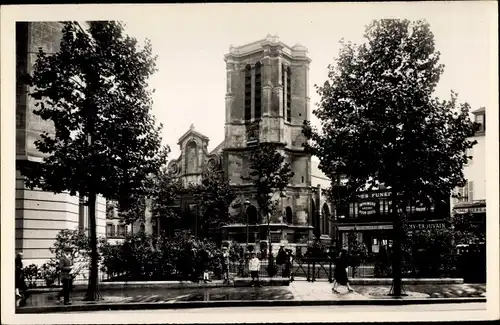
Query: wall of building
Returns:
{"type": "Point", "coordinates": [40, 215]}
{"type": "Point", "coordinates": [475, 170]}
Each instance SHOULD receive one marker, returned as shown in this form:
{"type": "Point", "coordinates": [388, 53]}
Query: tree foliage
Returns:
{"type": "Point", "coordinates": [94, 91]}
{"type": "Point", "coordinates": [165, 190]}
{"type": "Point", "coordinates": [214, 195]}
{"type": "Point", "coordinates": [270, 173]}
{"type": "Point", "coordinates": [380, 122]}
{"type": "Point", "coordinates": [95, 85]}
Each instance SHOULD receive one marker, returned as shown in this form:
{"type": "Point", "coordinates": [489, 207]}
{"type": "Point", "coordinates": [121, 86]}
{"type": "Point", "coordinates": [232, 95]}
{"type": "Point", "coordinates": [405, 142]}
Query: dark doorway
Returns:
{"type": "Point", "coordinates": [288, 215]}
{"type": "Point", "coordinates": [315, 220]}
{"type": "Point", "coordinates": [252, 215]}
{"type": "Point", "coordinates": [326, 219]}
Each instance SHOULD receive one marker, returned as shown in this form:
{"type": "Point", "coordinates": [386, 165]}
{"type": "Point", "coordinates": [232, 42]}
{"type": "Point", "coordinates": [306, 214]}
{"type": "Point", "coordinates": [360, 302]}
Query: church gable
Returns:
{"type": "Point", "coordinates": [194, 157]}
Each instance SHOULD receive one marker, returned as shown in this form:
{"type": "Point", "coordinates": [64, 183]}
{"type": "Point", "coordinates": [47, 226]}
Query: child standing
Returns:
{"type": "Point", "coordinates": [254, 266]}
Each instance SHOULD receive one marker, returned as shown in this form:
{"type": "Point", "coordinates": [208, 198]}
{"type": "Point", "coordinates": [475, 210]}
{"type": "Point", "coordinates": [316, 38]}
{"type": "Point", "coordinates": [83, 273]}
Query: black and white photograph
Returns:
{"type": "Point", "coordinates": [250, 162]}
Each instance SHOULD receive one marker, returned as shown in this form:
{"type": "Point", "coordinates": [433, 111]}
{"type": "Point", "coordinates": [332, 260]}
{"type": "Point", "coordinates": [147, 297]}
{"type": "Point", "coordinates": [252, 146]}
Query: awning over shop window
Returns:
{"type": "Point", "coordinates": [364, 227]}
{"type": "Point", "coordinates": [474, 207]}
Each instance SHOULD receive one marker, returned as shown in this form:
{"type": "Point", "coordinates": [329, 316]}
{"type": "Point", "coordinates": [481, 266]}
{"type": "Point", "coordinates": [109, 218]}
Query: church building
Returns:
{"type": "Point", "coordinates": [267, 100]}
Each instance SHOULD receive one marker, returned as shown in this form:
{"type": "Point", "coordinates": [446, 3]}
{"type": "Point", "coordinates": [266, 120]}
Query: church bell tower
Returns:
{"type": "Point", "coordinates": [267, 100]}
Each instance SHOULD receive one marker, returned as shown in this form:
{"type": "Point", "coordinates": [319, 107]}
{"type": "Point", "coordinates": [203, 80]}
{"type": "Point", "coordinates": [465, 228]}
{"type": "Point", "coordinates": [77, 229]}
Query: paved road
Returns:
{"type": "Point", "coordinates": [308, 309]}
{"type": "Point", "coordinates": [301, 314]}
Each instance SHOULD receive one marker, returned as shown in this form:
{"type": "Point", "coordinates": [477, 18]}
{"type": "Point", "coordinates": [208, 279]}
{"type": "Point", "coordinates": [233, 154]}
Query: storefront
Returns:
{"type": "Point", "coordinates": [475, 212]}
{"type": "Point", "coordinates": [371, 235]}
{"type": "Point", "coordinates": [368, 218]}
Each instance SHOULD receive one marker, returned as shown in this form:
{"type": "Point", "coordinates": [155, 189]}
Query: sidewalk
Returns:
{"type": "Point", "coordinates": [298, 293]}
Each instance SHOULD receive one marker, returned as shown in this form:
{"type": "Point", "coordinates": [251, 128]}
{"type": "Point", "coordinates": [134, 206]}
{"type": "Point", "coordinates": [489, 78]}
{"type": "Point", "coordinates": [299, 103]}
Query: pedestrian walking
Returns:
{"type": "Point", "coordinates": [66, 265]}
{"type": "Point", "coordinates": [20, 284]}
{"type": "Point", "coordinates": [254, 267]}
{"type": "Point", "coordinates": [340, 273]}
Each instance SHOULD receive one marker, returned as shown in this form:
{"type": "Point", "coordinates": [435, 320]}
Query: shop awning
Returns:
{"type": "Point", "coordinates": [365, 227]}
{"type": "Point", "coordinates": [470, 207]}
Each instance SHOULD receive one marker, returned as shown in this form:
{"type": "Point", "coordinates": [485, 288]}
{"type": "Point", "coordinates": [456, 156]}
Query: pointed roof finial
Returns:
{"type": "Point", "coordinates": [191, 127]}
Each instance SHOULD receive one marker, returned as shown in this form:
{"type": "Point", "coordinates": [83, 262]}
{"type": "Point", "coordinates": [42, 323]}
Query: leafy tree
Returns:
{"type": "Point", "coordinates": [75, 239]}
{"type": "Point", "coordinates": [465, 231]}
{"type": "Point", "coordinates": [381, 124]}
{"type": "Point", "coordinates": [165, 191]}
{"type": "Point", "coordinates": [214, 195]}
{"type": "Point", "coordinates": [270, 174]}
{"type": "Point", "coordinates": [95, 92]}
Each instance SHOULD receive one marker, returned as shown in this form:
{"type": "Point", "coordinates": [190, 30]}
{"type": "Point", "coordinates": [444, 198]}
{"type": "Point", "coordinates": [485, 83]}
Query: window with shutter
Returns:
{"type": "Point", "coordinates": [248, 92]}
{"type": "Point", "coordinates": [470, 194]}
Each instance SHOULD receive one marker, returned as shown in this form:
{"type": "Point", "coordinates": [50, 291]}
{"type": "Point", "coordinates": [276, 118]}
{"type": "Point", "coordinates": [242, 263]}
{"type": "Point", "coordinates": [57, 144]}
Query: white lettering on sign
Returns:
{"type": "Point", "coordinates": [367, 207]}
{"type": "Point", "coordinates": [471, 210]}
{"type": "Point", "coordinates": [424, 226]}
{"type": "Point", "coordinates": [367, 227]}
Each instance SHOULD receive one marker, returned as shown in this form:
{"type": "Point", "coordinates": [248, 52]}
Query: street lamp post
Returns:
{"type": "Point", "coordinates": [283, 214]}
{"type": "Point", "coordinates": [246, 204]}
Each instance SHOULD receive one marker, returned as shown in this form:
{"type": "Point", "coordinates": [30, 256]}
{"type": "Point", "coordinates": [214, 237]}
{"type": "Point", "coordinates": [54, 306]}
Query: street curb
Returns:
{"type": "Point", "coordinates": [169, 284]}
{"type": "Point", "coordinates": [243, 303]}
{"type": "Point", "coordinates": [388, 281]}
{"type": "Point", "coordinates": [238, 281]}
{"type": "Point", "coordinates": [139, 284]}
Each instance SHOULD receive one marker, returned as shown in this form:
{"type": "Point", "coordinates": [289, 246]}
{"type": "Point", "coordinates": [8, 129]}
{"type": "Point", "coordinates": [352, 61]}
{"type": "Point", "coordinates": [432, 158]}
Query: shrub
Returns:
{"type": "Point", "coordinates": [50, 272]}
{"type": "Point", "coordinates": [31, 274]}
{"type": "Point", "coordinates": [181, 255]}
{"type": "Point", "coordinates": [382, 267]}
{"type": "Point", "coordinates": [427, 253]}
{"type": "Point", "coordinates": [77, 240]}
{"type": "Point", "coordinates": [316, 249]}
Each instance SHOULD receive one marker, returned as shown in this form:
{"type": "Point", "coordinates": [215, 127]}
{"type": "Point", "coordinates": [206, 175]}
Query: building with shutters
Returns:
{"type": "Point", "coordinates": [471, 198]}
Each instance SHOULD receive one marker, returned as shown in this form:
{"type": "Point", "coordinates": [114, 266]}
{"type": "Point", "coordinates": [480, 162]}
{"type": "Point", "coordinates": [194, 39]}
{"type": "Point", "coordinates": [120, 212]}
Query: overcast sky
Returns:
{"type": "Point", "coordinates": [191, 41]}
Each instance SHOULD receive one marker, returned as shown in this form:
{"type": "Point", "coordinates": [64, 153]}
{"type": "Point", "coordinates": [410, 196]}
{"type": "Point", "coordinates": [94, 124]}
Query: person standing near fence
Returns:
{"type": "Point", "coordinates": [66, 265]}
{"type": "Point", "coordinates": [340, 273]}
{"type": "Point", "coordinates": [21, 287]}
{"type": "Point", "coordinates": [281, 259]}
{"type": "Point", "coordinates": [225, 264]}
{"type": "Point", "coordinates": [254, 267]}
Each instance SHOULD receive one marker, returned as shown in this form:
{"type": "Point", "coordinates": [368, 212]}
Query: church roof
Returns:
{"type": "Point", "coordinates": [193, 132]}
{"type": "Point", "coordinates": [218, 148]}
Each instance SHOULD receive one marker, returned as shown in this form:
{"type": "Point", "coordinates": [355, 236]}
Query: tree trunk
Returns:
{"type": "Point", "coordinates": [93, 290]}
{"type": "Point", "coordinates": [396, 248]}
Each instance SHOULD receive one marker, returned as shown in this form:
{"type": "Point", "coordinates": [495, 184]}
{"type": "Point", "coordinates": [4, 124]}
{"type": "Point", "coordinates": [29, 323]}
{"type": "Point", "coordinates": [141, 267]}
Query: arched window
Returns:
{"type": "Point", "coordinates": [191, 157]}
{"type": "Point", "coordinates": [289, 215]}
{"type": "Point", "coordinates": [258, 91]}
{"type": "Point", "coordinates": [326, 219]}
{"type": "Point", "coordinates": [288, 95]}
{"type": "Point", "coordinates": [315, 219]}
{"type": "Point", "coordinates": [248, 92]}
{"type": "Point", "coordinates": [252, 215]}
{"type": "Point", "coordinates": [313, 213]}
{"type": "Point", "coordinates": [283, 78]}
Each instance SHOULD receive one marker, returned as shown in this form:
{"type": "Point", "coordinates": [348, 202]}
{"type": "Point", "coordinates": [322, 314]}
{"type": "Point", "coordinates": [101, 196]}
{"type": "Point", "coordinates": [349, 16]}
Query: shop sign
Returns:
{"type": "Point", "coordinates": [470, 210]}
{"type": "Point", "coordinates": [367, 227]}
{"type": "Point", "coordinates": [426, 226]}
{"type": "Point", "coordinates": [367, 207]}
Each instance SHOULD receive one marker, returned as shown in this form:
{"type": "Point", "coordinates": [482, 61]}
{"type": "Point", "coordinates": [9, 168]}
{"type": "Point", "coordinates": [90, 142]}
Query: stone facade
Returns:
{"type": "Point", "coordinates": [267, 100]}
{"type": "Point", "coordinates": [40, 215]}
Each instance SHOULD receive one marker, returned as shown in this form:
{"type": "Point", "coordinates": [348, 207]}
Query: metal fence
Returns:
{"type": "Point", "coordinates": [77, 280]}
{"type": "Point", "coordinates": [304, 269]}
